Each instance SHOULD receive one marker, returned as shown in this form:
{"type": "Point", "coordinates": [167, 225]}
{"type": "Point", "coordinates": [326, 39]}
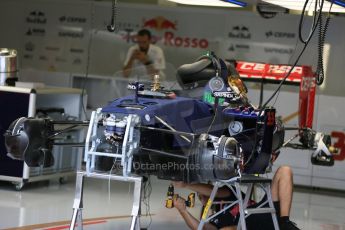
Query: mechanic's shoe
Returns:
{"type": "Point", "coordinates": [288, 225]}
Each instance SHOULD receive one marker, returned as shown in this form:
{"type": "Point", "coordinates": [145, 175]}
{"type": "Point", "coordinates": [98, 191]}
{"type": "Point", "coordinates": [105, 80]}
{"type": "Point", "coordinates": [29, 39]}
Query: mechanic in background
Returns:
{"type": "Point", "coordinates": [282, 189]}
{"type": "Point", "coordinates": [144, 58]}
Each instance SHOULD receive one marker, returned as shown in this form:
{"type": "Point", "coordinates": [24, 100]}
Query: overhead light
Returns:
{"type": "Point", "coordinates": [218, 3]}
{"type": "Point", "coordinates": [338, 5]}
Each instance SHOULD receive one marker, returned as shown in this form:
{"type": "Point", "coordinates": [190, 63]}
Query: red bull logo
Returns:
{"type": "Point", "coordinates": [159, 23]}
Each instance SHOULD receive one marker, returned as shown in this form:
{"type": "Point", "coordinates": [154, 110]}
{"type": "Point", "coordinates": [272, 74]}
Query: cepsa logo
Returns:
{"type": "Point", "coordinates": [161, 23]}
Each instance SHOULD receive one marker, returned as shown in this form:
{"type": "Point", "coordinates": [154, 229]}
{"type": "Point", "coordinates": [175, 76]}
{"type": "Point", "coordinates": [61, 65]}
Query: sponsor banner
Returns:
{"type": "Point", "coordinates": [253, 38]}
{"type": "Point", "coordinates": [184, 33]}
{"type": "Point", "coordinates": [271, 71]}
{"type": "Point", "coordinates": [55, 36]}
{"type": "Point", "coordinates": [264, 51]}
{"type": "Point", "coordinates": [63, 30]}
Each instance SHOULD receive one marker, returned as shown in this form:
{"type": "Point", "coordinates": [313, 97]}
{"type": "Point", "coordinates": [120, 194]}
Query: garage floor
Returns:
{"type": "Point", "coordinates": [44, 205]}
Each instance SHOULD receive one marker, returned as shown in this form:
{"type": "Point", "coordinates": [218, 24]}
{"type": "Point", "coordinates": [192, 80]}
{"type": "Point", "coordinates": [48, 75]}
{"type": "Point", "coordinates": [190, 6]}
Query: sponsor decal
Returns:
{"type": "Point", "coordinates": [240, 32]}
{"type": "Point", "coordinates": [52, 48]}
{"type": "Point", "coordinates": [129, 35]}
{"type": "Point", "coordinates": [260, 68]}
{"type": "Point", "coordinates": [339, 143]}
{"type": "Point", "coordinates": [76, 50]}
{"type": "Point", "coordinates": [229, 95]}
{"type": "Point", "coordinates": [77, 61]}
{"type": "Point", "coordinates": [283, 69]}
{"type": "Point", "coordinates": [28, 56]}
{"type": "Point", "coordinates": [36, 17]}
{"type": "Point", "coordinates": [307, 84]}
{"type": "Point", "coordinates": [29, 46]}
{"type": "Point", "coordinates": [209, 98]}
{"type": "Point", "coordinates": [126, 25]}
{"type": "Point", "coordinates": [242, 47]}
{"type": "Point", "coordinates": [277, 34]}
{"type": "Point", "coordinates": [133, 86]}
{"type": "Point", "coordinates": [72, 19]}
{"type": "Point", "coordinates": [43, 58]}
{"type": "Point", "coordinates": [35, 32]}
{"type": "Point", "coordinates": [278, 50]}
{"type": "Point", "coordinates": [160, 23]}
{"type": "Point", "coordinates": [60, 59]}
{"type": "Point", "coordinates": [178, 41]}
{"type": "Point", "coordinates": [71, 34]}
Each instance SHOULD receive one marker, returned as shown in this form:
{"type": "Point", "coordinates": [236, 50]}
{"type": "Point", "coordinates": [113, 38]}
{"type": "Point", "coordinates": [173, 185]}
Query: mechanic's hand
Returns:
{"type": "Point", "coordinates": [179, 184]}
{"type": "Point", "coordinates": [141, 56]}
{"type": "Point", "coordinates": [179, 203]}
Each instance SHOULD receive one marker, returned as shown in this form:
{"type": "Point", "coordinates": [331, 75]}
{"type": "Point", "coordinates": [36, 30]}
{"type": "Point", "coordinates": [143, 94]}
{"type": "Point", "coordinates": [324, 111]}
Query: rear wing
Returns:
{"type": "Point", "coordinates": [274, 74]}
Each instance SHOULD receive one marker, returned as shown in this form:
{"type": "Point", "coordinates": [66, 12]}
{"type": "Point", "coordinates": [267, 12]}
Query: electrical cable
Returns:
{"type": "Point", "coordinates": [320, 69]}
{"type": "Point", "coordinates": [112, 26]}
{"type": "Point", "coordinates": [147, 190]}
{"type": "Point", "coordinates": [306, 42]}
{"type": "Point", "coordinates": [112, 167]}
{"type": "Point", "coordinates": [62, 131]}
{"type": "Point", "coordinates": [314, 24]}
{"type": "Point", "coordinates": [290, 59]}
{"type": "Point", "coordinates": [213, 119]}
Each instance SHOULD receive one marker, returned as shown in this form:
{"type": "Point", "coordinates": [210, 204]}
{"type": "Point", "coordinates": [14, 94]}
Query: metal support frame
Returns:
{"type": "Point", "coordinates": [248, 181]}
{"type": "Point", "coordinates": [129, 146]}
{"type": "Point", "coordinates": [78, 198]}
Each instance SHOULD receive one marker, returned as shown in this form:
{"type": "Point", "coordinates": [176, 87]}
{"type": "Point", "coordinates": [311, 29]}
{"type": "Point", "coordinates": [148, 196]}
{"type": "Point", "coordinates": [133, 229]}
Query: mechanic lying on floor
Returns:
{"type": "Point", "coordinates": [282, 189]}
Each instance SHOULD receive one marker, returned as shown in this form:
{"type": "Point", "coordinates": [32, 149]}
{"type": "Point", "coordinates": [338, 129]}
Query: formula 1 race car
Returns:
{"type": "Point", "coordinates": [161, 132]}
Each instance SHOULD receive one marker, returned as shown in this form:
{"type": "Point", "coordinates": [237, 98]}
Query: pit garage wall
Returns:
{"type": "Point", "coordinates": [56, 38]}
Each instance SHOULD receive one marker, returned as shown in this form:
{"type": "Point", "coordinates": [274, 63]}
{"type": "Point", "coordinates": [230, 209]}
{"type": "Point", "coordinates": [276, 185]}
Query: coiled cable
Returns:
{"type": "Point", "coordinates": [113, 27]}
{"type": "Point", "coordinates": [320, 74]}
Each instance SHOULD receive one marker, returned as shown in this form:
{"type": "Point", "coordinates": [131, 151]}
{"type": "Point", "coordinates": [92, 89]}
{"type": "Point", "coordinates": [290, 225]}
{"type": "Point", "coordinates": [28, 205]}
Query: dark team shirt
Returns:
{"type": "Point", "coordinates": [230, 217]}
{"type": "Point", "coordinates": [226, 218]}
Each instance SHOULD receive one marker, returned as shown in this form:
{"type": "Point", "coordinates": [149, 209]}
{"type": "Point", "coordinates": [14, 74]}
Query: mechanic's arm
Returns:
{"type": "Point", "coordinates": [191, 221]}
{"type": "Point", "coordinates": [144, 59]}
{"type": "Point", "coordinates": [203, 189]}
{"type": "Point", "coordinates": [149, 65]}
{"type": "Point", "coordinates": [129, 63]}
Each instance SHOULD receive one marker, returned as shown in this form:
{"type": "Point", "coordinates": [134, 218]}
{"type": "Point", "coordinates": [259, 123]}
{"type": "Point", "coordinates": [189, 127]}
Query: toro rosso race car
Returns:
{"type": "Point", "coordinates": [163, 133]}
